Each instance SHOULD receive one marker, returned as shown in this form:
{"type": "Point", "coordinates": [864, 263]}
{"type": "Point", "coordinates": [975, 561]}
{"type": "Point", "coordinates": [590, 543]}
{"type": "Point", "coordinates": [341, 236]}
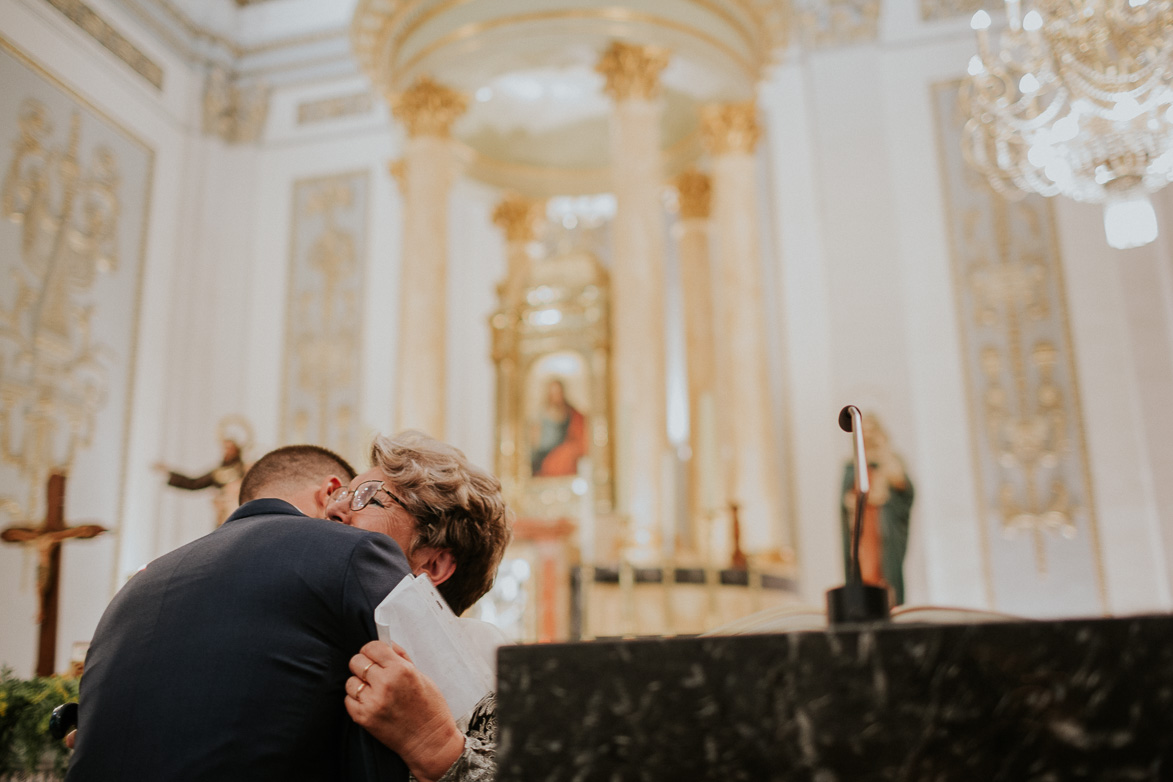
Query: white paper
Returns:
{"type": "Point", "coordinates": [416, 617]}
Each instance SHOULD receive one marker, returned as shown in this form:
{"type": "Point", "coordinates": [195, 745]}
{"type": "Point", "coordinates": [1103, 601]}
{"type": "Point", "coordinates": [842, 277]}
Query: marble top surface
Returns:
{"type": "Point", "coordinates": [1066, 700]}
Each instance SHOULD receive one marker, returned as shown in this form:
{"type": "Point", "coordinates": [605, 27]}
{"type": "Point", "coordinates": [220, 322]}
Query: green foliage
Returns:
{"type": "Point", "coordinates": [25, 706]}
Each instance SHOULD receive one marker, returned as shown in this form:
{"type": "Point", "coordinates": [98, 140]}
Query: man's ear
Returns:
{"type": "Point", "coordinates": [438, 563]}
{"type": "Point", "coordinates": [323, 492]}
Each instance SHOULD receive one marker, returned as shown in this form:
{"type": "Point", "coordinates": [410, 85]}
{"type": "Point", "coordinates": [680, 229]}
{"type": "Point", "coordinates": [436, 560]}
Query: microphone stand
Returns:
{"type": "Point", "coordinates": [856, 601]}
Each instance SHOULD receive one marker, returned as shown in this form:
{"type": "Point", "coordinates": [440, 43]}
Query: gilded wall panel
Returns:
{"type": "Point", "coordinates": [74, 204]}
{"type": "Point", "coordinates": [1039, 527]}
{"type": "Point", "coordinates": [324, 314]}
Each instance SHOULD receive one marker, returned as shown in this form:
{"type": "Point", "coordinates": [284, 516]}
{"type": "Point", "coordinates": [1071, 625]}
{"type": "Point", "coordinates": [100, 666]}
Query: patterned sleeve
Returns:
{"type": "Point", "coordinates": [478, 762]}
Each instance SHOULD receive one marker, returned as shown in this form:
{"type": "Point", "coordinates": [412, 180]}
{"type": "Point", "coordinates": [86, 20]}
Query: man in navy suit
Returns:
{"type": "Point", "coordinates": [226, 659]}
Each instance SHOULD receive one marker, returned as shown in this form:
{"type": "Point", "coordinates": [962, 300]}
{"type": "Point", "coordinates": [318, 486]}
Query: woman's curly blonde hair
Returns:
{"type": "Point", "coordinates": [456, 506]}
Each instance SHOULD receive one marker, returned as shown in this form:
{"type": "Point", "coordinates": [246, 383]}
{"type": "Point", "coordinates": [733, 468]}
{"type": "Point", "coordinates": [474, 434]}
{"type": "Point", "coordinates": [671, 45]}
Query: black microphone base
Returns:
{"type": "Point", "coordinates": [855, 603]}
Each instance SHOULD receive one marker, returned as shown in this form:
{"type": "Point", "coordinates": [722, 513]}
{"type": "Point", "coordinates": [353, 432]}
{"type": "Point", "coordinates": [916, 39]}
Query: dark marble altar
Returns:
{"type": "Point", "coordinates": [1023, 701]}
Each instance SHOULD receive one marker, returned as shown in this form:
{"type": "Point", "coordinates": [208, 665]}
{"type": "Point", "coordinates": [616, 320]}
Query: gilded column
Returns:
{"type": "Point", "coordinates": [428, 110]}
{"type": "Point", "coordinates": [705, 499]}
{"type": "Point", "coordinates": [637, 296]}
{"type": "Point", "coordinates": [517, 217]}
{"type": "Point", "coordinates": [748, 450]}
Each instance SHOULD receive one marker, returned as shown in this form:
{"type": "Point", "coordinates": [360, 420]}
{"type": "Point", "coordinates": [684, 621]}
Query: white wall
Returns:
{"type": "Point", "coordinates": [871, 319]}
{"type": "Point", "coordinates": [90, 569]}
{"type": "Point", "coordinates": [212, 327]}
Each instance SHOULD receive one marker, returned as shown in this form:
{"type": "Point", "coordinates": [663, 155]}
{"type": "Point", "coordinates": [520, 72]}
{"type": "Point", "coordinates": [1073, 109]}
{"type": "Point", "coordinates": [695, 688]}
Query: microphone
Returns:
{"type": "Point", "coordinates": [856, 601]}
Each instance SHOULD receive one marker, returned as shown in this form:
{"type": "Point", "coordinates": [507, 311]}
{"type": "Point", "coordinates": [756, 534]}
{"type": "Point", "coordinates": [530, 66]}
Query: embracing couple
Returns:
{"type": "Point", "coordinates": [250, 653]}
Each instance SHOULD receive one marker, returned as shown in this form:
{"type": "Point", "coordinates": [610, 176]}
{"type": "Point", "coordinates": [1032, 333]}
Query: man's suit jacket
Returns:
{"type": "Point", "coordinates": [227, 658]}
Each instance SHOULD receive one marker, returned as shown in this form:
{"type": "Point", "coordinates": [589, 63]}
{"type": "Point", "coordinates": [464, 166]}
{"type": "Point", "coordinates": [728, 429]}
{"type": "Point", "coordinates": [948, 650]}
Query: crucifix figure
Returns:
{"type": "Point", "coordinates": [48, 538]}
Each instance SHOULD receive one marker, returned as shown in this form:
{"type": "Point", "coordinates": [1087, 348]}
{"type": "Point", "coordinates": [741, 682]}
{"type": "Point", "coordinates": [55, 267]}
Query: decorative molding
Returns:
{"type": "Point", "coordinates": [323, 343]}
{"type": "Point", "coordinates": [1033, 478]}
{"type": "Point", "coordinates": [936, 10]}
{"type": "Point", "coordinates": [632, 72]}
{"type": "Point", "coordinates": [828, 23]}
{"type": "Point", "coordinates": [428, 108]}
{"type": "Point", "coordinates": [730, 128]}
{"type": "Point", "coordinates": [694, 195]}
{"type": "Point", "coordinates": [101, 31]}
{"type": "Point", "coordinates": [337, 107]}
{"type": "Point", "coordinates": [234, 112]}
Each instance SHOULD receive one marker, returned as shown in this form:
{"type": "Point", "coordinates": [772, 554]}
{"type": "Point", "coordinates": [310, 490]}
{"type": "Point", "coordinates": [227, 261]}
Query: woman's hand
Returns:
{"type": "Point", "coordinates": [403, 709]}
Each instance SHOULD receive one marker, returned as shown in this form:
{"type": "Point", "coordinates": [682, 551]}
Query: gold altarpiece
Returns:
{"type": "Point", "coordinates": [557, 331]}
{"type": "Point", "coordinates": [580, 337]}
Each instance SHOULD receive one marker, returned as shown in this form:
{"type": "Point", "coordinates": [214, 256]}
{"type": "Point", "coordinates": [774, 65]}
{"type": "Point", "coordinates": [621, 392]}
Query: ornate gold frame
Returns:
{"type": "Point", "coordinates": [563, 308]}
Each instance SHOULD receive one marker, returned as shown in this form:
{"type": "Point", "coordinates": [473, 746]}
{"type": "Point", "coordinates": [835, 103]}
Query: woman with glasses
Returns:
{"type": "Point", "coordinates": [449, 518]}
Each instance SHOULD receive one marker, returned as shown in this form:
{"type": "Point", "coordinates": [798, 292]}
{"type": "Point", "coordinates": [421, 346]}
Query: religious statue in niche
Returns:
{"type": "Point", "coordinates": [884, 533]}
{"type": "Point", "coordinates": [559, 434]}
{"type": "Point", "coordinates": [235, 438]}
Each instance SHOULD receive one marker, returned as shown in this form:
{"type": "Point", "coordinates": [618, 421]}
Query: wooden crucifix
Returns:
{"type": "Point", "coordinates": [47, 539]}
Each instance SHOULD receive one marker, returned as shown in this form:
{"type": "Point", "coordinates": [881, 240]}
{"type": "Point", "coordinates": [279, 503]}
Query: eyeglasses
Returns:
{"type": "Point", "coordinates": [363, 494]}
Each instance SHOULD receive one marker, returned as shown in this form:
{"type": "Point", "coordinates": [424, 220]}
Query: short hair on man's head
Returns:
{"type": "Point", "coordinates": [456, 506]}
{"type": "Point", "coordinates": [290, 469]}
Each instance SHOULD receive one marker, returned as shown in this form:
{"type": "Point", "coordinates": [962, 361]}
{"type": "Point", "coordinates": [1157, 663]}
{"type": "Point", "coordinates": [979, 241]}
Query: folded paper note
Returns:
{"type": "Point", "coordinates": [416, 617]}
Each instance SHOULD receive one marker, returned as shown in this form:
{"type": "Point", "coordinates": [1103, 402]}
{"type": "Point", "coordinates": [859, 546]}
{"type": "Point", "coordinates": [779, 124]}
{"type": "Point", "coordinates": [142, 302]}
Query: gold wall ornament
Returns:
{"type": "Point", "coordinates": [1033, 478]}
{"type": "Point", "coordinates": [324, 323]}
{"type": "Point", "coordinates": [1027, 429]}
{"type": "Point", "coordinates": [631, 71]}
{"type": "Point", "coordinates": [517, 216]}
{"type": "Point", "coordinates": [428, 108]}
{"type": "Point", "coordinates": [53, 376]}
{"type": "Point", "coordinates": [829, 23]}
{"type": "Point", "coordinates": [730, 128]}
{"type": "Point", "coordinates": [233, 111]}
{"type": "Point", "coordinates": [694, 195]}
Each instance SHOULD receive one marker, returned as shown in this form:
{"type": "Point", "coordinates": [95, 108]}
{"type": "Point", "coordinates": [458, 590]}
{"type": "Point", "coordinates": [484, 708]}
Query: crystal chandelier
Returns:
{"type": "Point", "coordinates": [1076, 99]}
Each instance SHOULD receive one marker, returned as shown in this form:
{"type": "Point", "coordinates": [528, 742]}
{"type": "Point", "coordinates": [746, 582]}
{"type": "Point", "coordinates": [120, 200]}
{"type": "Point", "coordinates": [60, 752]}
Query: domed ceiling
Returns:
{"type": "Point", "coordinates": [538, 117]}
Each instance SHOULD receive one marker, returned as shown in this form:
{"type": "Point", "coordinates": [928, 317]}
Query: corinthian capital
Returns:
{"type": "Point", "coordinates": [695, 194]}
{"type": "Point", "coordinates": [632, 71]}
{"type": "Point", "coordinates": [517, 216]}
{"type": "Point", "coordinates": [428, 108]}
{"type": "Point", "coordinates": [730, 128]}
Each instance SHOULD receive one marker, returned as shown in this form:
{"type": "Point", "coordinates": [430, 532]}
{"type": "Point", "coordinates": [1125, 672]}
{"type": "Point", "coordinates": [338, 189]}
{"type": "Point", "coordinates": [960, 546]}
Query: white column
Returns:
{"type": "Point", "coordinates": [637, 297]}
{"type": "Point", "coordinates": [430, 166]}
{"type": "Point", "coordinates": [705, 496]}
{"type": "Point", "coordinates": [749, 452]}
